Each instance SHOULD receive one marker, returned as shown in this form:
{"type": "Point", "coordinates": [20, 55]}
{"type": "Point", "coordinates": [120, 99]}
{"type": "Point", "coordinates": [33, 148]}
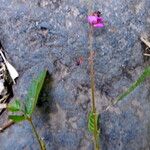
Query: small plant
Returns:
{"type": "Point", "coordinates": [25, 111]}
{"type": "Point", "coordinates": [95, 21]}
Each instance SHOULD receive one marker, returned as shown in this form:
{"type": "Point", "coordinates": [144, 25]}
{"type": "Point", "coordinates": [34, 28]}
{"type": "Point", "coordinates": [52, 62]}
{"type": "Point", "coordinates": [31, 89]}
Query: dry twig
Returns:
{"type": "Point", "coordinates": [7, 125]}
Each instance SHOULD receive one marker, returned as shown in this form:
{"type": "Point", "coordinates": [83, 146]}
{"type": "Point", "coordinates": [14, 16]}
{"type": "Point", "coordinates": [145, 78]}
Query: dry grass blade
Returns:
{"type": "Point", "coordinates": [146, 54]}
{"type": "Point", "coordinates": [147, 43]}
{"type": "Point", "coordinates": [3, 106]}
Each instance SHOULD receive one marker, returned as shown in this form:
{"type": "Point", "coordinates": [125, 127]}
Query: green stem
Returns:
{"type": "Point", "coordinates": [96, 142]}
{"type": "Point", "coordinates": [96, 134]}
{"type": "Point", "coordinates": [92, 85]}
{"type": "Point", "coordinates": [36, 134]}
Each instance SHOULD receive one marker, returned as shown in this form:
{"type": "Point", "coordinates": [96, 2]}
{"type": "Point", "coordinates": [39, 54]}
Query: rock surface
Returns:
{"type": "Point", "coordinates": [53, 34]}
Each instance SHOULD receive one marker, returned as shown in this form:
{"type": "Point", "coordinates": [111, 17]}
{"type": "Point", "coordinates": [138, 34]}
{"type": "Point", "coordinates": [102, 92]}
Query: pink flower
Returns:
{"type": "Point", "coordinates": [95, 20]}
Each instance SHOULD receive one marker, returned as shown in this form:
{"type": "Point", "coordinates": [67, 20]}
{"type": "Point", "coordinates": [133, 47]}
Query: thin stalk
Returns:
{"type": "Point", "coordinates": [36, 134]}
{"type": "Point", "coordinates": [96, 141]}
{"type": "Point", "coordinates": [91, 63]}
{"type": "Point", "coordinates": [92, 83]}
{"type": "Point", "coordinates": [92, 78]}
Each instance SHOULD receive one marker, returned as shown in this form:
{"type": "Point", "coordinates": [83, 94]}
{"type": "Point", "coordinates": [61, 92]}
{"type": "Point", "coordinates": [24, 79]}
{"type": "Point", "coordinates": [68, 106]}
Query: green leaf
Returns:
{"type": "Point", "coordinates": [91, 121]}
{"type": "Point", "coordinates": [34, 92]}
{"type": "Point", "coordinates": [17, 118]}
{"type": "Point", "coordinates": [144, 75]}
{"type": "Point", "coordinates": [15, 106]}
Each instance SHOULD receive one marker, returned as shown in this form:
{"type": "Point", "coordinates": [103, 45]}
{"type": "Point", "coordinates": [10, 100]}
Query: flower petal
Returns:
{"type": "Point", "coordinates": [100, 19]}
{"type": "Point", "coordinates": [98, 25]}
{"type": "Point", "coordinates": [92, 19]}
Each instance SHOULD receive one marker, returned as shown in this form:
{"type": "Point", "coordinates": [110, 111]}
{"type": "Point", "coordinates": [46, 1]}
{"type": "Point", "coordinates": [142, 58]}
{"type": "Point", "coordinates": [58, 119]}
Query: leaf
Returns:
{"type": "Point", "coordinates": [15, 106]}
{"type": "Point", "coordinates": [91, 122]}
{"type": "Point", "coordinates": [34, 92]}
{"type": "Point", "coordinates": [144, 75]}
{"type": "Point", "coordinates": [17, 118]}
